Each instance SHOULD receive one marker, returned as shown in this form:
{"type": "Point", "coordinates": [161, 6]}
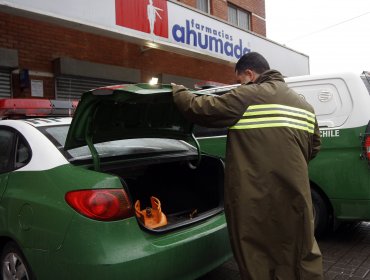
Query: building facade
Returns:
{"type": "Point", "coordinates": [59, 49]}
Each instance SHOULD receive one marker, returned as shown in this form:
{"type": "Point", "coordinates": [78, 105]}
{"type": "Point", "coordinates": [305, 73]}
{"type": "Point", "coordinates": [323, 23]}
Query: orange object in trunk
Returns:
{"type": "Point", "coordinates": [151, 217]}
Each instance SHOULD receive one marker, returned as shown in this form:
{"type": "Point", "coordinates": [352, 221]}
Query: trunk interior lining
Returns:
{"type": "Point", "coordinates": [187, 195]}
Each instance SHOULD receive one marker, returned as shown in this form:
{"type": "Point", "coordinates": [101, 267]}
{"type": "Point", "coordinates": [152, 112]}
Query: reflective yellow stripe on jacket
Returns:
{"type": "Point", "coordinates": [276, 115]}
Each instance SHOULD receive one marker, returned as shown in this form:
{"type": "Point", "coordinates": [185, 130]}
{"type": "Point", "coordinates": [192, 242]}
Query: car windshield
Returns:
{"type": "Point", "coordinates": [366, 80]}
{"type": "Point", "coordinates": [58, 135]}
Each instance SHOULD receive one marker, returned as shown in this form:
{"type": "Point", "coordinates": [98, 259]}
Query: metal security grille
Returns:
{"type": "Point", "coordinates": [71, 88]}
{"type": "Point", "coordinates": [5, 84]}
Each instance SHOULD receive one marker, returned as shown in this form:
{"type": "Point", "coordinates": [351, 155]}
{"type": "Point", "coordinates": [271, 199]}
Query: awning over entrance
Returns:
{"type": "Point", "coordinates": [167, 25]}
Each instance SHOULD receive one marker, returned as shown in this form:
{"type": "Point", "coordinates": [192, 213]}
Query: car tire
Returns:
{"type": "Point", "coordinates": [320, 214]}
{"type": "Point", "coordinates": [14, 264]}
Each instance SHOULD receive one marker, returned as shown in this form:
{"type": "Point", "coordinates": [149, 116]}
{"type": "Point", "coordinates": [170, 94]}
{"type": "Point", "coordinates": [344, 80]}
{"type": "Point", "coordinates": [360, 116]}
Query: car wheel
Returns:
{"type": "Point", "coordinates": [320, 214]}
{"type": "Point", "coordinates": [13, 264]}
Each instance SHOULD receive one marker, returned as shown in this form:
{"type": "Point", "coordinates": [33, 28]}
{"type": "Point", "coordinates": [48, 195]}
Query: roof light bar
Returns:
{"type": "Point", "coordinates": [217, 90]}
{"type": "Point", "coordinates": [16, 108]}
{"type": "Point", "coordinates": [208, 84]}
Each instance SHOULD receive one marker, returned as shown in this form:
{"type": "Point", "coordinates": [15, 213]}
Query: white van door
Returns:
{"type": "Point", "coordinates": [330, 98]}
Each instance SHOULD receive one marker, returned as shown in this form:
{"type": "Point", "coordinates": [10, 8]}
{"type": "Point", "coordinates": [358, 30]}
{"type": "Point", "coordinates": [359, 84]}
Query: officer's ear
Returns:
{"type": "Point", "coordinates": [253, 75]}
{"type": "Point", "coordinates": [243, 77]}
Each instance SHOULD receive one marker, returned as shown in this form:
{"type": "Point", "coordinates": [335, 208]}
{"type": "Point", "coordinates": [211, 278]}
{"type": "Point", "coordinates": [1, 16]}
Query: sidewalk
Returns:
{"type": "Point", "coordinates": [346, 255]}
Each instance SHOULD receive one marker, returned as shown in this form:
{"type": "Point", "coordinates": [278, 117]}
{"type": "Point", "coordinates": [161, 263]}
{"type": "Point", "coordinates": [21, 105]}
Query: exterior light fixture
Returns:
{"type": "Point", "coordinates": [153, 81]}
{"type": "Point", "coordinates": [151, 45]}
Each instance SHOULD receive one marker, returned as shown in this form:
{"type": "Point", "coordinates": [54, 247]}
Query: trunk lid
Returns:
{"type": "Point", "coordinates": [126, 111]}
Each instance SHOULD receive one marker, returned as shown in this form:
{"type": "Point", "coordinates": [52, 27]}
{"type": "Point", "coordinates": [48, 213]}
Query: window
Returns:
{"type": "Point", "coordinates": [203, 5]}
{"type": "Point", "coordinates": [23, 153]}
{"type": "Point", "coordinates": [239, 17]}
{"type": "Point", "coordinates": [6, 144]}
{"type": "Point", "coordinates": [125, 147]}
{"type": "Point", "coordinates": [14, 150]}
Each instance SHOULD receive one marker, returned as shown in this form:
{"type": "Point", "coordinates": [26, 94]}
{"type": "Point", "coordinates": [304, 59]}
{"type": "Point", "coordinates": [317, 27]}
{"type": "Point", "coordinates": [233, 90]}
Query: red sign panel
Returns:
{"type": "Point", "coordinates": [148, 16]}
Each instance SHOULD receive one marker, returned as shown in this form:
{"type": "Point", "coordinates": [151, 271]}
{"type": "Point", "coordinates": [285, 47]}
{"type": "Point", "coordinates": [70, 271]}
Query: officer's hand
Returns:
{"type": "Point", "coordinates": [176, 88]}
{"type": "Point", "coordinates": [176, 85]}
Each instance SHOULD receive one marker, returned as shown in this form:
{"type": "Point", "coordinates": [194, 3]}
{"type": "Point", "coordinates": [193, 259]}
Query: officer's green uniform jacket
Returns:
{"type": "Point", "coordinates": [272, 135]}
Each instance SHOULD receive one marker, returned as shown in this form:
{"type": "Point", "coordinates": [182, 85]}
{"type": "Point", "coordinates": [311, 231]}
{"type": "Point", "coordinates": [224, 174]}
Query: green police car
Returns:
{"type": "Point", "coordinates": [76, 194]}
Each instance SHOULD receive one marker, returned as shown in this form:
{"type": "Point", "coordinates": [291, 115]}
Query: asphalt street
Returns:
{"type": "Point", "coordinates": [346, 255]}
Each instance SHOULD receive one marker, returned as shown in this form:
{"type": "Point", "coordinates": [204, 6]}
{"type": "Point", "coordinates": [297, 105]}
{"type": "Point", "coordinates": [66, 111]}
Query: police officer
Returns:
{"type": "Point", "coordinates": [272, 135]}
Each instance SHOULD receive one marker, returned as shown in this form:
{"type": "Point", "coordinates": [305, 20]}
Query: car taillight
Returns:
{"type": "Point", "coordinates": [367, 147]}
{"type": "Point", "coordinates": [101, 204]}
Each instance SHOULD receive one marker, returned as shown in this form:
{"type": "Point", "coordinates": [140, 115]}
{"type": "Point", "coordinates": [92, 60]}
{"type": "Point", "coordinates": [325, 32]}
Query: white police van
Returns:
{"type": "Point", "coordinates": [340, 175]}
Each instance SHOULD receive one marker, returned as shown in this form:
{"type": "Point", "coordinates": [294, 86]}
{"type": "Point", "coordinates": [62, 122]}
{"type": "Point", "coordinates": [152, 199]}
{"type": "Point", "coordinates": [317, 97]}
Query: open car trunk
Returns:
{"type": "Point", "coordinates": [187, 194]}
{"type": "Point", "coordinates": [123, 112]}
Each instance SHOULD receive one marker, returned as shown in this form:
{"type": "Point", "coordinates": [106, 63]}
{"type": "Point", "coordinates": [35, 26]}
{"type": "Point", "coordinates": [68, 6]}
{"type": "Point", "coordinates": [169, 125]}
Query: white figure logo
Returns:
{"type": "Point", "coordinates": [152, 15]}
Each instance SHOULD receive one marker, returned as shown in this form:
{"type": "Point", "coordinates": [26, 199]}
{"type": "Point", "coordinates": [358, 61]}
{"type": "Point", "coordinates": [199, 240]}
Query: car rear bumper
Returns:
{"type": "Point", "coordinates": [122, 250]}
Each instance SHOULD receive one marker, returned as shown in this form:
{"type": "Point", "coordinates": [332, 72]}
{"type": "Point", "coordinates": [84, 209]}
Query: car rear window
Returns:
{"type": "Point", "coordinates": [58, 135]}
